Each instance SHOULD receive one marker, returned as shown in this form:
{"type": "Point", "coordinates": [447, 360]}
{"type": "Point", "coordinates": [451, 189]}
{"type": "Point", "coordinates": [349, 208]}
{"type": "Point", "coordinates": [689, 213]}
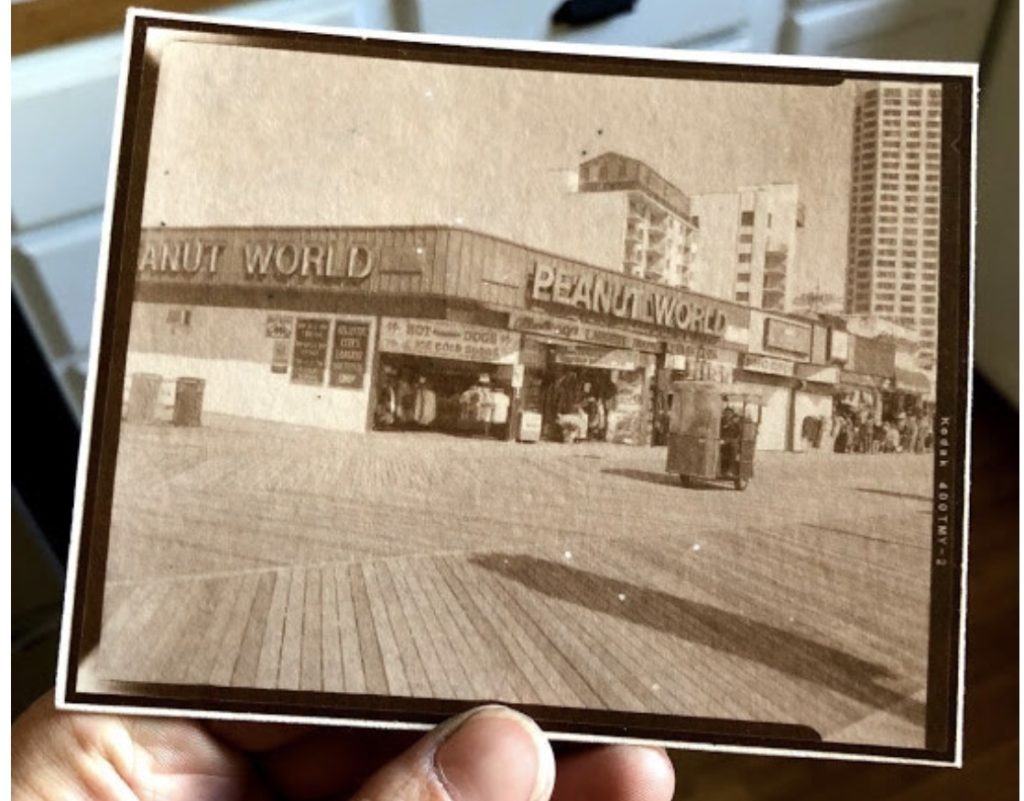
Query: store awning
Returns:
{"type": "Point", "coordinates": [851, 379]}
{"type": "Point", "coordinates": [912, 381]}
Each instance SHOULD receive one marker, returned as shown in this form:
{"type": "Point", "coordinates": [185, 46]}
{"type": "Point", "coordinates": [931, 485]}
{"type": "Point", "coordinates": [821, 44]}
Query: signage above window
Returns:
{"type": "Point", "coordinates": [612, 295]}
{"type": "Point", "coordinates": [788, 336]}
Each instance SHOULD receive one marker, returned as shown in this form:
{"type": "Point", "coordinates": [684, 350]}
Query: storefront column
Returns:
{"type": "Point", "coordinates": [516, 404]}
{"type": "Point", "coordinates": [371, 406]}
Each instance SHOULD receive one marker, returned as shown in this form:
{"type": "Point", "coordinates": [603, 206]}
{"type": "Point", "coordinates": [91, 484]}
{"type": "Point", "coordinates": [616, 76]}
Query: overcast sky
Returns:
{"type": "Point", "coordinates": [263, 137]}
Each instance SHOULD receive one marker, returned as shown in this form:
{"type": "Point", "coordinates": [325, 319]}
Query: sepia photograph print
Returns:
{"type": "Point", "coordinates": [626, 389]}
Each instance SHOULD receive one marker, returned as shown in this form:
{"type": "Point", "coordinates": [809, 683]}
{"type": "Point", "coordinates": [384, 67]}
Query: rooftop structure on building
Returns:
{"type": "Point", "coordinates": [658, 234]}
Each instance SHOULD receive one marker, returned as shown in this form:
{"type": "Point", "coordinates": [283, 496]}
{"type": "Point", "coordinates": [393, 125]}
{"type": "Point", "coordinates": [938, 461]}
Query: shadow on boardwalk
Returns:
{"type": "Point", "coordinates": [667, 479]}
{"type": "Point", "coordinates": [703, 624]}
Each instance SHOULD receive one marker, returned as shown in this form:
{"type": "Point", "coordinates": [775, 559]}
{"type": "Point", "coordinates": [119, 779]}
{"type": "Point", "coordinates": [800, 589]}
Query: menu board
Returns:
{"type": "Point", "coordinates": [348, 354]}
{"type": "Point", "coordinates": [309, 356]}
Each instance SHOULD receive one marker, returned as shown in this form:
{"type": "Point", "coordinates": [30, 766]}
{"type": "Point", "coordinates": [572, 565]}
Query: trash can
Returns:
{"type": "Point", "coordinates": [188, 402]}
{"type": "Point", "coordinates": [142, 396]}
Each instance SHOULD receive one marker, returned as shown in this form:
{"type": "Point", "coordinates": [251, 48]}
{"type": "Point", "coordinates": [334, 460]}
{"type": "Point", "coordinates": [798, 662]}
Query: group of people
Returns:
{"type": "Point", "coordinates": [483, 406]}
{"type": "Point", "coordinates": [903, 432]}
{"type": "Point", "coordinates": [585, 417]}
{"type": "Point", "coordinates": [406, 400]}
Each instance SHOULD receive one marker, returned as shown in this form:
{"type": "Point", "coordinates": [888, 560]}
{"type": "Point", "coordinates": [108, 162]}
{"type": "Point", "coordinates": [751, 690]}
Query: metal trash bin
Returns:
{"type": "Point", "coordinates": [142, 395]}
{"type": "Point", "coordinates": [188, 402]}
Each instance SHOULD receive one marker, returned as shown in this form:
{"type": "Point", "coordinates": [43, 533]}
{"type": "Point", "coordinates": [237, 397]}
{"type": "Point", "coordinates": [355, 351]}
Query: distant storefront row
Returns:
{"type": "Point", "coordinates": [442, 329]}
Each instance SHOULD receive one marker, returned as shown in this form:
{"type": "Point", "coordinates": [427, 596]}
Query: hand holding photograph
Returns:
{"type": "Point", "coordinates": [624, 387]}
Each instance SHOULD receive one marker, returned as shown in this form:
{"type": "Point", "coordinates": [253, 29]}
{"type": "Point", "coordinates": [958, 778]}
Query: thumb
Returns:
{"type": "Point", "coordinates": [486, 754]}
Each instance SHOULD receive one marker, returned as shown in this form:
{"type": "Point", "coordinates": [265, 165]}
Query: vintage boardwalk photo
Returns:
{"type": "Point", "coordinates": [561, 389]}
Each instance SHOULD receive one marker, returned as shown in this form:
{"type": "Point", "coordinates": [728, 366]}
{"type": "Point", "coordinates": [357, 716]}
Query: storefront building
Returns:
{"type": "Point", "coordinates": [423, 327]}
{"type": "Point", "coordinates": [779, 348]}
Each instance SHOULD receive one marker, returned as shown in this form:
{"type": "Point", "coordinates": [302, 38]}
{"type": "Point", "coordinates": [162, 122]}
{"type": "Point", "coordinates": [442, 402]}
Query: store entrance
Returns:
{"type": "Point", "coordinates": [418, 393]}
{"type": "Point", "coordinates": [575, 401]}
{"type": "Point", "coordinates": [578, 403]}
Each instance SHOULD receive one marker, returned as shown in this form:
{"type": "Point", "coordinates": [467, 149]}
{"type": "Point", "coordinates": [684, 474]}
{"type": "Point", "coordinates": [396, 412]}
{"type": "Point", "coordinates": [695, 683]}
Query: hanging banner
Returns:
{"type": "Point", "coordinates": [445, 339]}
{"type": "Point", "coordinates": [767, 364]}
{"type": "Point", "coordinates": [597, 357]}
{"type": "Point", "coordinates": [547, 325]}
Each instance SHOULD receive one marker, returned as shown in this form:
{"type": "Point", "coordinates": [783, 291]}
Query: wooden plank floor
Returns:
{"type": "Point", "coordinates": [582, 576]}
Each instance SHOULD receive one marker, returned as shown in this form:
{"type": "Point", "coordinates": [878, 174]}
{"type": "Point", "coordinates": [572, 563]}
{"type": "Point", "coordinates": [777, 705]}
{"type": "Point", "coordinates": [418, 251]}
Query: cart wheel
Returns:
{"type": "Point", "coordinates": [740, 483]}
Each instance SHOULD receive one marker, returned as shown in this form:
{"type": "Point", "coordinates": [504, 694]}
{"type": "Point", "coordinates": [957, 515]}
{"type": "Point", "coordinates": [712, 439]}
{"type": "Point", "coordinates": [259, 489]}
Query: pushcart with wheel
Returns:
{"type": "Point", "coordinates": [712, 433]}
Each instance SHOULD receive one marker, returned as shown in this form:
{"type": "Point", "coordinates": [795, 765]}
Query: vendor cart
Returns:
{"type": "Point", "coordinates": [712, 433]}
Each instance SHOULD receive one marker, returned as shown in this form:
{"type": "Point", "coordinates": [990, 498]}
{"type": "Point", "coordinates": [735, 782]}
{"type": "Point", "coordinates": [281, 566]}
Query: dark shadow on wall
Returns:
{"type": "Point", "coordinates": [703, 624]}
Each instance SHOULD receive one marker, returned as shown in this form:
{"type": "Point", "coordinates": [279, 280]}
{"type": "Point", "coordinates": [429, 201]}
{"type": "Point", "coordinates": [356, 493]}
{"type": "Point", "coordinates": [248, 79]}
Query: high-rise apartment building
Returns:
{"type": "Point", "coordinates": [748, 244]}
{"type": "Point", "coordinates": [658, 234]}
{"type": "Point", "coordinates": [893, 253]}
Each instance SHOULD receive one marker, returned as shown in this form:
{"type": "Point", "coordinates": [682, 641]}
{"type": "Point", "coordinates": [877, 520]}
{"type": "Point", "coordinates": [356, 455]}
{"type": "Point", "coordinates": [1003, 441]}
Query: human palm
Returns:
{"type": "Point", "coordinates": [489, 754]}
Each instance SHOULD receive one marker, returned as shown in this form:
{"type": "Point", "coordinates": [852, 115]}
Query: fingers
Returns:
{"type": "Point", "coordinates": [67, 755]}
{"type": "Point", "coordinates": [257, 737]}
{"type": "Point", "coordinates": [488, 754]}
{"type": "Point", "coordinates": [615, 773]}
{"type": "Point", "coordinates": [331, 762]}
